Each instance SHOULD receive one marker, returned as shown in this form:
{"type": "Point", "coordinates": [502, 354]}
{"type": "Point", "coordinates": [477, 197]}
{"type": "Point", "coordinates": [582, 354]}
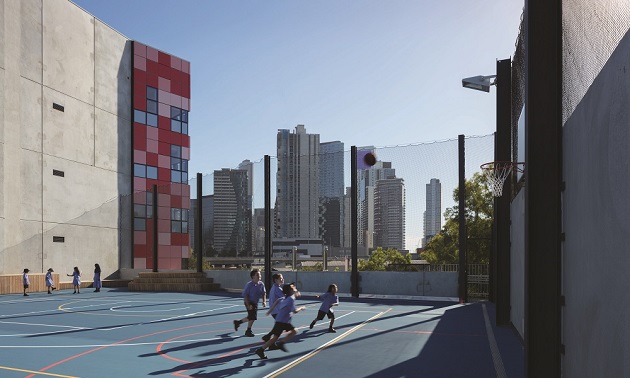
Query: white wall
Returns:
{"type": "Point", "coordinates": [51, 51]}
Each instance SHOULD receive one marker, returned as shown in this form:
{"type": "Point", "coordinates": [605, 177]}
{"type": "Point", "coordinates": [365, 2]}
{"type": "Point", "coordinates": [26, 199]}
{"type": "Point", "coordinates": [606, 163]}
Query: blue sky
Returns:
{"type": "Point", "coordinates": [369, 72]}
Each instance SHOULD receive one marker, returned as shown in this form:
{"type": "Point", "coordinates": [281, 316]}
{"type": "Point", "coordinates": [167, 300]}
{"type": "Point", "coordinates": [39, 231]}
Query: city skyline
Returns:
{"type": "Point", "coordinates": [366, 73]}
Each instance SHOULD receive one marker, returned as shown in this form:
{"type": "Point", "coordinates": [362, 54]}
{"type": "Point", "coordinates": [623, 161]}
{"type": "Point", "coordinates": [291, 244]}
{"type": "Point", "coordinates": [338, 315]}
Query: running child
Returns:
{"type": "Point", "coordinates": [329, 299]}
{"type": "Point", "coordinates": [283, 321]}
{"type": "Point", "coordinates": [275, 294]}
{"type": "Point", "coordinates": [253, 291]}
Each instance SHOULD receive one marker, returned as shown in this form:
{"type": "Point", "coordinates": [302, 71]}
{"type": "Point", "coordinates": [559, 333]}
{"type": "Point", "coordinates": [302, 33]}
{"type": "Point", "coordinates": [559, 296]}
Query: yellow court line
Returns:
{"type": "Point", "coordinates": [36, 372]}
{"type": "Point", "coordinates": [322, 347]}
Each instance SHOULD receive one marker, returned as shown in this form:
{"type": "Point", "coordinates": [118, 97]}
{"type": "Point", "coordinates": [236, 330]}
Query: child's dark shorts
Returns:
{"type": "Point", "coordinates": [26, 286]}
{"type": "Point", "coordinates": [321, 314]}
{"type": "Point", "coordinates": [278, 328]}
{"type": "Point", "coordinates": [253, 313]}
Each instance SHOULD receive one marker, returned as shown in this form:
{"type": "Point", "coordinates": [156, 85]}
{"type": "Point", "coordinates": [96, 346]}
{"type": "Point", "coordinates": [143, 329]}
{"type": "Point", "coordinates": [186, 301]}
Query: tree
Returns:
{"type": "Point", "coordinates": [444, 247]}
{"type": "Point", "coordinates": [192, 262]}
{"type": "Point", "coordinates": [379, 259]}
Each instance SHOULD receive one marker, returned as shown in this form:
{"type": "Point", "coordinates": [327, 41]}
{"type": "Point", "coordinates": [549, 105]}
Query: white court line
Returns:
{"type": "Point", "coordinates": [322, 347]}
{"type": "Point", "coordinates": [496, 355]}
{"type": "Point", "coordinates": [113, 345]}
{"type": "Point", "coordinates": [122, 309]}
{"type": "Point", "coordinates": [171, 318]}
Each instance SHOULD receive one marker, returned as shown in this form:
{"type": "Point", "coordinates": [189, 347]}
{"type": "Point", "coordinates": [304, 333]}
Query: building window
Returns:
{"type": "Point", "coordinates": [179, 220]}
{"type": "Point", "coordinates": [145, 171]}
{"type": "Point", "coordinates": [139, 116]}
{"type": "Point", "coordinates": [152, 106]}
{"type": "Point", "coordinates": [179, 120]}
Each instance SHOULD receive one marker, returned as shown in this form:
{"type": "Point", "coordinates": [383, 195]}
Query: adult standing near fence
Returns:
{"type": "Point", "coordinates": [97, 278]}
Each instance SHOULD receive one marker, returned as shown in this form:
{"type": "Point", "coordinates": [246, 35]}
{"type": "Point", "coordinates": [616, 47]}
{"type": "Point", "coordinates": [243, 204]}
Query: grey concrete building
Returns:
{"type": "Point", "coordinates": [66, 154]}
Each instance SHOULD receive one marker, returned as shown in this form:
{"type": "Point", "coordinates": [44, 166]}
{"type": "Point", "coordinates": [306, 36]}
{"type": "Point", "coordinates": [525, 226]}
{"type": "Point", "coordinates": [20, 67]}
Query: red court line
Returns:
{"type": "Point", "coordinates": [117, 343]}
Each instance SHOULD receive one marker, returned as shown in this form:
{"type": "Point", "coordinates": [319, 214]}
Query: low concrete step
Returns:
{"type": "Point", "coordinates": [173, 280]}
{"type": "Point", "coordinates": [178, 287]}
{"type": "Point", "coordinates": [171, 275]}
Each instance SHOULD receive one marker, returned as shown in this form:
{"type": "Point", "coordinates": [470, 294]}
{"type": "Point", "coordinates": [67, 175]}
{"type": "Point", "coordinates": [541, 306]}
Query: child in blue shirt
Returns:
{"type": "Point", "coordinates": [253, 291]}
{"type": "Point", "coordinates": [274, 295]}
{"type": "Point", "coordinates": [329, 299]}
{"type": "Point", "coordinates": [283, 321]}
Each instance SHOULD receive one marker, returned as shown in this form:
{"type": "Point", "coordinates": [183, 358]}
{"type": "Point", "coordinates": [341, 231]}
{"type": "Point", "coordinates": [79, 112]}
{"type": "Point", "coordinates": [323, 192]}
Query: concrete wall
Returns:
{"type": "Point", "coordinates": [51, 51]}
{"type": "Point", "coordinates": [517, 263]}
{"type": "Point", "coordinates": [596, 216]}
{"type": "Point", "coordinates": [427, 284]}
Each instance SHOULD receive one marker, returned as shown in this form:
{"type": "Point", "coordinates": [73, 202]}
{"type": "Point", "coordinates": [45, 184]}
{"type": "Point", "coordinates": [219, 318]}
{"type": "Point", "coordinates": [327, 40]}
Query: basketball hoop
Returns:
{"type": "Point", "coordinates": [497, 172]}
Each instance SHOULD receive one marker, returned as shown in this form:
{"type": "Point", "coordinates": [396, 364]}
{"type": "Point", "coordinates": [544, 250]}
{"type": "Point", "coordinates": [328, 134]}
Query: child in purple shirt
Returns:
{"type": "Point", "coordinates": [329, 299]}
{"type": "Point", "coordinates": [283, 321]}
{"type": "Point", "coordinates": [254, 290]}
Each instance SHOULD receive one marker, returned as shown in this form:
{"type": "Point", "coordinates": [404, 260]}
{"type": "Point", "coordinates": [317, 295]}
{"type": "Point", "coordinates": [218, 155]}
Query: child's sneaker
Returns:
{"type": "Point", "coordinates": [249, 333]}
{"type": "Point", "coordinates": [236, 324]}
{"type": "Point", "coordinates": [312, 325]}
{"type": "Point", "coordinates": [332, 330]}
{"type": "Point", "coordinates": [261, 353]}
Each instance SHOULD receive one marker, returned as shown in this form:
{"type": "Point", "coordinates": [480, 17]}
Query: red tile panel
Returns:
{"type": "Point", "coordinates": [152, 159]}
{"type": "Point", "coordinates": [139, 131]}
{"type": "Point", "coordinates": [140, 103]}
{"type": "Point", "coordinates": [164, 123]}
{"type": "Point", "coordinates": [139, 250]}
{"type": "Point", "coordinates": [152, 145]}
{"type": "Point", "coordinates": [164, 174]}
{"type": "Point", "coordinates": [164, 149]}
{"type": "Point", "coordinates": [139, 77]}
{"type": "Point", "coordinates": [152, 80]}
{"type": "Point", "coordinates": [152, 54]}
{"type": "Point", "coordinates": [185, 141]}
{"type": "Point", "coordinates": [139, 49]}
{"type": "Point", "coordinates": [140, 144]}
{"type": "Point", "coordinates": [140, 63]}
{"type": "Point", "coordinates": [176, 202]}
{"type": "Point", "coordinates": [164, 59]}
{"type": "Point", "coordinates": [139, 157]}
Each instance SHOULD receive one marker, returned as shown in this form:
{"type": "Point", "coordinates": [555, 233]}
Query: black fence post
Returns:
{"type": "Point", "coordinates": [463, 268]}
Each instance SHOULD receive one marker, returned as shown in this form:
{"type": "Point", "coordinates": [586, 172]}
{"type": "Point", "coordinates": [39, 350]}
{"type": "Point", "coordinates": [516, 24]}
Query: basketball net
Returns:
{"type": "Point", "coordinates": [497, 172]}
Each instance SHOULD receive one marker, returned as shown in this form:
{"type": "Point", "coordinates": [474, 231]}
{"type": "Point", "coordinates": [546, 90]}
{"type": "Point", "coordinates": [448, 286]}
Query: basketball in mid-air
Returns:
{"type": "Point", "coordinates": [369, 159]}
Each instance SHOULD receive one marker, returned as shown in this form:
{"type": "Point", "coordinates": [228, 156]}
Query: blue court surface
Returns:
{"type": "Point", "coordinates": [116, 333]}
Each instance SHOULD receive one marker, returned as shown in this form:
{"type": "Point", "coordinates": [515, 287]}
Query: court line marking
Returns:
{"type": "Point", "coordinates": [101, 329]}
{"type": "Point", "coordinates": [37, 372]}
{"type": "Point", "coordinates": [323, 346]}
{"type": "Point", "coordinates": [494, 349]}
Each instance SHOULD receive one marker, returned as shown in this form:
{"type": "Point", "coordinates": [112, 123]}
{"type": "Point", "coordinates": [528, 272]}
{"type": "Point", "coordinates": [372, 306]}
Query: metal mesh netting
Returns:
{"type": "Point", "coordinates": [591, 30]}
{"type": "Point", "coordinates": [310, 199]}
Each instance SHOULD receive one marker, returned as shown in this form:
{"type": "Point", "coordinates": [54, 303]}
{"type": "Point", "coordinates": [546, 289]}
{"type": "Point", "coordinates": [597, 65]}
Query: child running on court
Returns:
{"type": "Point", "coordinates": [283, 321]}
{"type": "Point", "coordinates": [329, 299]}
{"type": "Point", "coordinates": [50, 284]}
{"type": "Point", "coordinates": [25, 281]}
{"type": "Point", "coordinates": [275, 294]}
{"type": "Point", "coordinates": [253, 291]}
{"type": "Point", "coordinates": [76, 280]}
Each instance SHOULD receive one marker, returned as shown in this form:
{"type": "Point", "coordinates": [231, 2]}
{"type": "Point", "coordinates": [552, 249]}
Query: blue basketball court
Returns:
{"type": "Point", "coordinates": [116, 333]}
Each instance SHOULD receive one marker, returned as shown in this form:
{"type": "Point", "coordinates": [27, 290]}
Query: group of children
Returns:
{"type": "Point", "coordinates": [76, 280]}
{"type": "Point", "coordinates": [282, 307]}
